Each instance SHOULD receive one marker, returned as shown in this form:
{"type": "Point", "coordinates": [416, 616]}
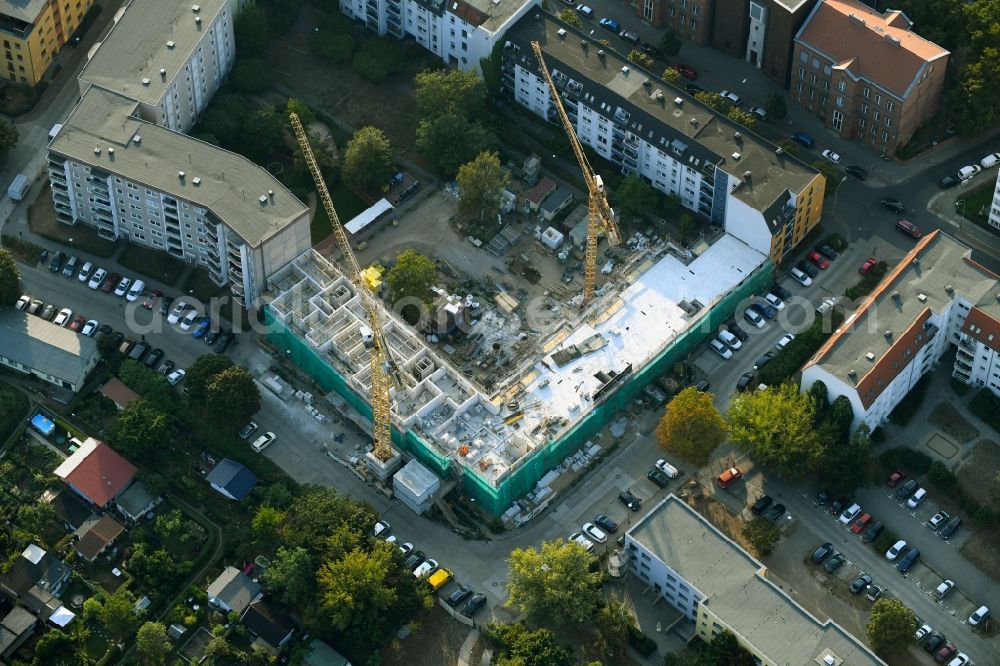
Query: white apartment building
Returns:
{"type": "Point", "coordinates": [169, 56]}
{"type": "Point", "coordinates": [460, 33]}
{"type": "Point", "coordinates": [646, 127]}
{"type": "Point", "coordinates": [994, 217]}
{"type": "Point", "coordinates": [935, 297]}
{"type": "Point", "coordinates": [717, 586]}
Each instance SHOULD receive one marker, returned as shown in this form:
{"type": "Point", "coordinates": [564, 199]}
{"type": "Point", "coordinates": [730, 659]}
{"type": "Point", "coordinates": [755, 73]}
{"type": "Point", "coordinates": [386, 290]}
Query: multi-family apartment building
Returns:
{"type": "Point", "coordinates": [936, 297]}
{"type": "Point", "coordinates": [717, 586]}
{"type": "Point", "coordinates": [645, 127]}
{"type": "Point", "coordinates": [121, 164]}
{"type": "Point", "coordinates": [993, 218]}
{"type": "Point", "coordinates": [866, 73]}
{"type": "Point", "coordinates": [460, 32]}
{"type": "Point", "coordinates": [33, 32]}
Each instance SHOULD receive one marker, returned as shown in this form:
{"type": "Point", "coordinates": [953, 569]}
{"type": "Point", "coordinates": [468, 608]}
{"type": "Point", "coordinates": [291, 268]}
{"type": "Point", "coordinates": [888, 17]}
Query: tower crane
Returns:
{"type": "Point", "coordinates": [384, 373]}
{"type": "Point", "coordinates": [599, 212]}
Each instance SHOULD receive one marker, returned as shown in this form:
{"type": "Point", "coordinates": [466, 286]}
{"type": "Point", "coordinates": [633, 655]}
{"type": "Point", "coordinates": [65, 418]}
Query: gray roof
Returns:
{"type": "Point", "coordinates": [705, 137]}
{"type": "Point", "coordinates": [45, 347]}
{"type": "Point", "coordinates": [233, 588]}
{"type": "Point", "coordinates": [136, 499]}
{"type": "Point", "coordinates": [22, 10]}
{"type": "Point", "coordinates": [489, 15]}
{"type": "Point", "coordinates": [557, 198]}
{"type": "Point", "coordinates": [14, 625]}
{"type": "Point", "coordinates": [737, 589]}
{"type": "Point", "coordinates": [229, 184]}
{"type": "Point", "coordinates": [136, 47]}
{"type": "Point", "coordinates": [235, 477]}
{"type": "Point", "coordinates": [321, 654]}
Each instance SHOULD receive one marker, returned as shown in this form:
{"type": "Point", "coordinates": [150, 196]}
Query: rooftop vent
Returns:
{"type": "Point", "coordinates": [163, 74]}
{"type": "Point", "coordinates": [196, 181]}
{"type": "Point", "coordinates": [145, 81]}
{"type": "Point", "coordinates": [853, 375]}
{"type": "Point", "coordinates": [561, 32]}
{"type": "Point", "coordinates": [171, 44]}
{"type": "Point", "coordinates": [829, 660]}
{"type": "Point", "coordinates": [137, 139]}
{"type": "Point", "coordinates": [778, 151]}
{"type": "Point", "coordinates": [922, 298]}
{"type": "Point", "coordinates": [870, 356]}
{"type": "Point", "coordinates": [888, 335]}
{"type": "Point", "coordinates": [625, 70]}
{"type": "Point", "coordinates": [196, 8]}
{"type": "Point", "coordinates": [111, 152]}
{"type": "Point", "coordinates": [737, 136]}
{"type": "Point", "coordinates": [270, 194]}
{"type": "Point", "coordinates": [180, 174]}
{"type": "Point", "coordinates": [896, 295]}
{"type": "Point", "coordinates": [736, 156]}
{"type": "Point", "coordinates": [97, 150]}
{"type": "Point", "coordinates": [601, 53]}
{"type": "Point", "coordinates": [892, 40]}
{"type": "Point", "coordinates": [748, 174]}
{"type": "Point", "coordinates": [197, 19]}
{"type": "Point", "coordinates": [854, 18]}
{"type": "Point", "coordinates": [678, 102]}
{"type": "Point", "coordinates": [949, 289]}
{"type": "Point", "coordinates": [646, 82]}
{"type": "Point", "coordinates": [583, 44]}
{"type": "Point", "coordinates": [262, 200]}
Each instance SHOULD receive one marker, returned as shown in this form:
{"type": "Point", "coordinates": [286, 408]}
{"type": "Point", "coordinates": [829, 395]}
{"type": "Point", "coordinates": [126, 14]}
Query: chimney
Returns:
{"type": "Point", "coordinates": [180, 174]}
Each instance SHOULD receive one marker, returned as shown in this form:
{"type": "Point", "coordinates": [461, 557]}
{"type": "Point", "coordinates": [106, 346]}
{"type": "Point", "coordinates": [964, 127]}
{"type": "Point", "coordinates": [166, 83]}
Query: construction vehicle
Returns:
{"type": "Point", "coordinates": [600, 214]}
{"type": "Point", "coordinates": [384, 373]}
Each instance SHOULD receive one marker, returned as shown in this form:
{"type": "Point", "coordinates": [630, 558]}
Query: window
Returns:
{"type": "Point", "coordinates": [875, 116]}
{"type": "Point", "coordinates": [888, 121]}
{"type": "Point", "coordinates": [798, 87]}
{"type": "Point", "coordinates": [803, 56]}
{"type": "Point", "coordinates": [878, 99]}
{"type": "Point", "coordinates": [890, 106]}
{"type": "Point", "coordinates": [802, 72]}
{"type": "Point", "coordinates": [812, 78]}
{"type": "Point", "coordinates": [864, 109]}
{"type": "Point", "coordinates": [842, 86]}
{"type": "Point", "coordinates": [867, 92]}
{"type": "Point", "coordinates": [826, 85]}
{"type": "Point", "coordinates": [861, 122]}
{"type": "Point", "coordinates": [885, 136]}
{"type": "Point", "coordinates": [812, 94]}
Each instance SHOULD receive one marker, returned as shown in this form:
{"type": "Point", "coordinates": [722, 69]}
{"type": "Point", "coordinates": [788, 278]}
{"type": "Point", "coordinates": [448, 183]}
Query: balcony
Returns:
{"type": "Point", "coordinates": [965, 366]}
{"type": "Point", "coordinates": [964, 344]}
{"type": "Point", "coordinates": [958, 373]}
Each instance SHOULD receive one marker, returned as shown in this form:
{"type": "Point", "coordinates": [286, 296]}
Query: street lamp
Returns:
{"type": "Point", "coordinates": [960, 204]}
{"type": "Point", "coordinates": [71, 244]}
{"type": "Point", "coordinates": [837, 194]}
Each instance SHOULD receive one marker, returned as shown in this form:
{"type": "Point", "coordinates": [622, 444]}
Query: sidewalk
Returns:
{"type": "Point", "coordinates": [943, 206]}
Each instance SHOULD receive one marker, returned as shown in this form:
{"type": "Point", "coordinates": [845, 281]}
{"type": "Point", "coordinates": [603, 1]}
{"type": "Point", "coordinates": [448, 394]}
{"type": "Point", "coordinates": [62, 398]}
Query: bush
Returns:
{"type": "Point", "coordinates": [878, 436]}
{"type": "Point", "coordinates": [791, 359]}
{"type": "Point", "coordinates": [837, 242]}
{"type": "Point", "coordinates": [947, 482]}
{"type": "Point", "coordinates": [986, 406]}
{"type": "Point", "coordinates": [378, 59]}
{"type": "Point", "coordinates": [762, 535]}
{"type": "Point", "coordinates": [867, 283]}
{"type": "Point", "coordinates": [910, 405]}
{"type": "Point", "coordinates": [917, 462]}
{"type": "Point", "coordinates": [642, 643]}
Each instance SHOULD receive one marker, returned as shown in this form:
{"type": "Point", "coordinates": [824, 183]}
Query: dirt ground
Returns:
{"type": "Point", "coordinates": [952, 423]}
{"type": "Point", "coordinates": [437, 640]}
{"type": "Point", "coordinates": [980, 467]}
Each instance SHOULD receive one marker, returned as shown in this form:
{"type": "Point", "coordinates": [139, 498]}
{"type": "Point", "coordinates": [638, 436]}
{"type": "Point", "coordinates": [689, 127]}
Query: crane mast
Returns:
{"type": "Point", "coordinates": [599, 212]}
{"type": "Point", "coordinates": [383, 371]}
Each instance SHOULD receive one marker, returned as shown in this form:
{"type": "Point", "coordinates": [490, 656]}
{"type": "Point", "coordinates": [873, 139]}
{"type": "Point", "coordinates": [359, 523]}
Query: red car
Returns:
{"type": "Point", "coordinates": [150, 300]}
{"type": "Point", "coordinates": [111, 282]}
{"type": "Point", "coordinates": [895, 478]}
{"type": "Point", "coordinates": [77, 323]}
{"type": "Point", "coordinates": [819, 259]}
{"type": "Point", "coordinates": [867, 267]}
{"type": "Point", "coordinates": [908, 228]}
{"type": "Point", "coordinates": [687, 71]}
{"type": "Point", "coordinates": [860, 523]}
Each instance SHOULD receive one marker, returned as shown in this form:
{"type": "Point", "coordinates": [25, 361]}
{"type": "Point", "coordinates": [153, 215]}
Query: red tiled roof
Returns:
{"type": "Point", "coordinates": [104, 532]}
{"type": "Point", "coordinates": [982, 327]}
{"type": "Point", "coordinates": [541, 190]}
{"type": "Point", "coordinates": [873, 46]}
{"type": "Point", "coordinates": [115, 391]}
{"type": "Point", "coordinates": [468, 13]}
{"type": "Point", "coordinates": [101, 475]}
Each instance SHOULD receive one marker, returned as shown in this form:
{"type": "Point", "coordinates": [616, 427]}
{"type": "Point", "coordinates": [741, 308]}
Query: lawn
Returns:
{"type": "Point", "coordinates": [24, 251]}
{"type": "Point", "coordinates": [200, 285]}
{"type": "Point", "coordinates": [977, 204]}
{"type": "Point", "coordinates": [42, 221]}
{"type": "Point", "coordinates": [154, 264]}
{"type": "Point", "coordinates": [348, 204]}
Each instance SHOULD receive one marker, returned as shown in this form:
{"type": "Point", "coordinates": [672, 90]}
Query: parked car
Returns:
{"type": "Point", "coordinates": [967, 172]}
{"type": "Point", "coordinates": [744, 381]}
{"type": "Point", "coordinates": [69, 268]}
{"type": "Point", "coordinates": [657, 477]}
{"type": "Point", "coordinates": [895, 478]}
{"type": "Point", "coordinates": [631, 501]}
{"type": "Point", "coordinates": [802, 139]}
{"type": "Point", "coordinates": [247, 430]}
{"type": "Point", "coordinates": [138, 351]}
{"type": "Point", "coordinates": [629, 36]}
{"type": "Point", "coordinates": [165, 304]}
{"type": "Point", "coordinates": [949, 528]}
{"type": "Point", "coordinates": [459, 595]}
{"type": "Point", "coordinates": [651, 51]}
{"type": "Point", "coordinates": [135, 291]}
{"type": "Point", "coordinates": [860, 583]}
{"type": "Point", "coordinates": [585, 10]}
{"type": "Point", "coordinates": [176, 377]}
{"type": "Point", "coordinates": [166, 367]}
{"type": "Point", "coordinates": [730, 339]}
{"type": "Point", "coordinates": [934, 642]}
{"type": "Point", "coordinates": [36, 307]}
{"type": "Point", "coordinates": [990, 160]}
{"type": "Point", "coordinates": [731, 97]}
{"type": "Point", "coordinates": [873, 593]}
{"type": "Point", "coordinates": [942, 590]}
{"type": "Point", "coordinates": [860, 522]}
{"type": "Point", "coordinates": [850, 513]}
{"type": "Point", "coordinates": [872, 532]}
{"type": "Point", "coordinates": [687, 71]}
{"type": "Point", "coordinates": [760, 112]}
{"type": "Point", "coordinates": [90, 328]}
{"type": "Point", "coordinates": [149, 301]}
{"type": "Point", "coordinates": [783, 342]}
{"type": "Point", "coordinates": [693, 88]}
{"type": "Point", "coordinates": [907, 489]}
{"type": "Point", "coordinates": [895, 549]}
{"type": "Point", "coordinates": [922, 632]}
{"type": "Point", "coordinates": [753, 317]}
{"type": "Point", "coordinates": [188, 321]}
{"type": "Point", "coordinates": [834, 563]}
{"type": "Point", "coordinates": [827, 251]}
{"type": "Point", "coordinates": [474, 604]}
{"type": "Point", "coordinates": [177, 312]}
{"type": "Point", "coordinates": [808, 268]}
{"type": "Point", "coordinates": [224, 341]}
{"type": "Point", "coordinates": [201, 327]}
{"type": "Point", "coordinates": [765, 309]}
{"type": "Point", "coordinates": [85, 272]}
{"type": "Point", "coordinates": [938, 519]}
{"type": "Point", "coordinates": [720, 348]}
{"type": "Point", "coordinates": [23, 302]}
{"type": "Point", "coordinates": [981, 614]}
{"type": "Point", "coordinates": [948, 182]}
{"type": "Point", "coordinates": [856, 171]}
{"type": "Point", "coordinates": [867, 267]}
{"type": "Point", "coordinates": [916, 498]}
{"type": "Point", "coordinates": [799, 275]}
{"type": "Point", "coordinates": [945, 652]}
{"type": "Point", "coordinates": [667, 468]}
{"type": "Point", "coordinates": [819, 260]}
{"type": "Point", "coordinates": [764, 359]}
{"type": "Point", "coordinates": [56, 261]}
{"type": "Point", "coordinates": [831, 156]}
{"type": "Point", "coordinates": [908, 228]}
{"type": "Point", "coordinates": [97, 279]}
{"type": "Point", "coordinates": [594, 533]}
{"type": "Point", "coordinates": [729, 477]}
{"type": "Point", "coordinates": [415, 559]}
{"type": "Point", "coordinates": [961, 659]}
{"type": "Point", "coordinates": [776, 511]}
{"type": "Point", "coordinates": [123, 286]}
{"type": "Point", "coordinates": [822, 497]}
{"type": "Point", "coordinates": [63, 317]}
{"type": "Point", "coordinates": [780, 291]}
{"type": "Point", "coordinates": [263, 442]}
{"type": "Point", "coordinates": [824, 551]}
{"type": "Point", "coordinates": [605, 523]}
{"type": "Point", "coordinates": [761, 505]}
{"type": "Point", "coordinates": [774, 301]}
{"type": "Point", "coordinates": [153, 360]}
{"type": "Point", "coordinates": [895, 205]}
{"type": "Point", "coordinates": [610, 24]}
{"type": "Point", "coordinates": [76, 323]}
{"type": "Point", "coordinates": [907, 561]}
{"type": "Point", "coordinates": [578, 537]}
{"type": "Point", "coordinates": [738, 331]}
{"type": "Point", "coordinates": [381, 529]}
{"type": "Point", "coordinates": [110, 282]}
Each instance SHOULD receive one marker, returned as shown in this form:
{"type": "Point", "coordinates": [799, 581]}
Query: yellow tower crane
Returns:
{"type": "Point", "coordinates": [600, 214]}
{"type": "Point", "coordinates": [383, 371]}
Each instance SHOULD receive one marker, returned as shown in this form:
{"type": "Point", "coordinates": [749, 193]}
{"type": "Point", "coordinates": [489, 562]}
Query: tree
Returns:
{"type": "Point", "coordinates": [670, 44]}
{"type": "Point", "coordinates": [671, 76]}
{"type": "Point", "coordinates": [378, 59]}
{"type": "Point", "coordinates": [266, 524]}
{"type": "Point", "coordinates": [762, 535]}
{"type": "Point", "coordinates": [449, 91]}
{"type": "Point", "coordinates": [742, 117]}
{"type": "Point", "coordinates": [232, 397]}
{"type": "Point", "coordinates": [714, 101]}
{"type": "Point", "coordinates": [821, 397]}
{"type": "Point", "coordinates": [640, 58]}
{"type": "Point", "coordinates": [569, 17]}
{"type": "Point", "coordinates": [842, 460]}
{"type": "Point", "coordinates": [789, 147]}
{"type": "Point", "coordinates": [107, 347]}
{"type": "Point", "coordinates": [8, 135]}
{"type": "Point", "coordinates": [832, 175]}
{"type": "Point", "coordinates": [777, 426]}
{"type": "Point", "coordinates": [687, 225]}
{"type": "Point", "coordinates": [520, 646]}
{"type": "Point", "coordinates": [776, 107]}
{"type": "Point", "coordinates": [251, 75]}
{"type": "Point", "coordinates": [117, 615]}
{"type": "Point", "coordinates": [141, 428]}
{"type": "Point", "coordinates": [201, 371]}
{"type": "Point", "coordinates": [10, 279]}
{"type": "Point", "coordinates": [492, 67]}
{"type": "Point", "coordinates": [614, 621]}
{"type": "Point", "coordinates": [53, 647]}
{"type": "Point", "coordinates": [170, 527]}
{"type": "Point", "coordinates": [450, 140]}
{"type": "Point", "coordinates": [156, 568]}
{"type": "Point", "coordinates": [251, 30]}
{"type": "Point", "coordinates": [151, 642]}
{"type": "Point", "coordinates": [482, 182]}
{"type": "Point", "coordinates": [367, 160]}
{"type": "Point", "coordinates": [332, 39]}
{"type": "Point", "coordinates": [841, 416]}
{"type": "Point", "coordinates": [291, 575]}
{"type": "Point", "coordinates": [412, 277]}
{"type": "Point", "coordinates": [634, 196]}
{"type": "Point", "coordinates": [553, 585]}
{"type": "Point", "coordinates": [725, 650]}
{"type": "Point", "coordinates": [891, 626]}
{"type": "Point", "coordinates": [357, 589]}
{"type": "Point", "coordinates": [692, 427]}
{"type": "Point", "coordinates": [151, 385]}
{"type": "Point", "coordinates": [302, 110]}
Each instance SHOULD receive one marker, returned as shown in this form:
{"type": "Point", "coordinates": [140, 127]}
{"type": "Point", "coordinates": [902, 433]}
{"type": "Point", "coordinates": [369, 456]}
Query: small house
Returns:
{"type": "Point", "coordinates": [35, 566]}
{"type": "Point", "coordinates": [267, 625]}
{"type": "Point", "coordinates": [558, 200]}
{"type": "Point", "coordinates": [96, 540]}
{"type": "Point", "coordinates": [136, 502]}
{"type": "Point", "coordinates": [96, 473]}
{"type": "Point", "coordinates": [232, 591]}
{"type": "Point", "coordinates": [231, 479]}
{"type": "Point", "coordinates": [15, 628]}
{"type": "Point", "coordinates": [116, 391]}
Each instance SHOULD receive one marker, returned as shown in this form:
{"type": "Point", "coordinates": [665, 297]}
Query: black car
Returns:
{"type": "Point", "coordinates": [212, 336]}
{"type": "Point", "coordinates": [834, 563]}
{"type": "Point", "coordinates": [907, 489]}
{"type": "Point", "coordinates": [166, 367]}
{"type": "Point", "coordinates": [137, 351]}
{"type": "Point", "coordinates": [872, 532]}
{"type": "Point", "coordinates": [459, 595]}
{"type": "Point", "coordinates": [807, 268]}
{"type": "Point", "coordinates": [948, 182]}
{"type": "Point", "coordinates": [780, 292]}
{"type": "Point", "coordinates": [856, 171]}
{"type": "Point", "coordinates": [651, 51]}
{"type": "Point", "coordinates": [631, 501]}
{"type": "Point", "coordinates": [765, 310]}
{"type": "Point", "coordinates": [415, 560]}
{"type": "Point", "coordinates": [760, 505]}
{"type": "Point", "coordinates": [605, 523]}
{"type": "Point", "coordinates": [474, 604]}
{"type": "Point", "coordinates": [104, 329]}
{"type": "Point", "coordinates": [225, 339]}
{"type": "Point", "coordinates": [744, 382]}
{"type": "Point", "coordinates": [55, 262]}
{"type": "Point", "coordinates": [822, 497]}
{"type": "Point", "coordinates": [837, 505]}
{"type": "Point", "coordinates": [776, 511]}
{"type": "Point", "coordinates": [823, 552]}
{"type": "Point", "coordinates": [736, 330]}
{"type": "Point", "coordinates": [895, 205]}
{"type": "Point", "coordinates": [949, 528]}
{"type": "Point", "coordinates": [908, 560]}
{"type": "Point", "coordinates": [862, 581]}
{"type": "Point", "coordinates": [657, 477]}
{"type": "Point", "coordinates": [764, 360]}
{"type": "Point", "coordinates": [827, 251]}
{"type": "Point", "coordinates": [153, 360]}
{"type": "Point", "coordinates": [934, 642]}
{"type": "Point", "coordinates": [693, 88]}
{"type": "Point", "coordinates": [165, 302]}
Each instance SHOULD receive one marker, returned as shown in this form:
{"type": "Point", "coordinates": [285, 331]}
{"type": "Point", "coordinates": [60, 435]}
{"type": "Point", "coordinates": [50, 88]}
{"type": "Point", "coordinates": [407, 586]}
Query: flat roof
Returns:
{"type": "Point", "coordinates": [137, 46]}
{"type": "Point", "coordinates": [490, 15]}
{"type": "Point", "coordinates": [707, 137]}
{"type": "Point", "coordinates": [22, 10]}
{"type": "Point", "coordinates": [45, 347]}
{"type": "Point", "coordinates": [738, 591]}
{"type": "Point", "coordinates": [367, 216]}
{"type": "Point", "coordinates": [926, 280]}
{"type": "Point", "coordinates": [228, 184]}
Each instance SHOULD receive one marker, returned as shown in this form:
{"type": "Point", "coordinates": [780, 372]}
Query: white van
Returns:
{"type": "Point", "coordinates": [990, 161]}
{"type": "Point", "coordinates": [981, 614]}
{"type": "Point", "coordinates": [968, 171]}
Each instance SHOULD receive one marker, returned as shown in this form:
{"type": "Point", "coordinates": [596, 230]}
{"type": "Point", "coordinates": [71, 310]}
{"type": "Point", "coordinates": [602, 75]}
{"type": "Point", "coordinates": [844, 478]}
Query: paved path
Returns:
{"type": "Point", "coordinates": [465, 654]}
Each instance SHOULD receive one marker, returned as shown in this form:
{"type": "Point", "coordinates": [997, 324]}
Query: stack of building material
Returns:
{"type": "Point", "coordinates": [415, 485]}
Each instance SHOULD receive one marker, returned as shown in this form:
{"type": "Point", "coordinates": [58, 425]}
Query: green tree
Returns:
{"type": "Point", "coordinates": [232, 397]}
{"type": "Point", "coordinates": [10, 279]}
{"type": "Point", "coordinates": [448, 141]}
{"type": "Point", "coordinates": [318, 513]}
{"type": "Point", "coordinates": [336, 50]}
{"type": "Point", "coordinates": [777, 426]}
{"type": "Point", "coordinates": [8, 135]}
{"type": "Point", "coordinates": [107, 347]}
{"type": "Point", "coordinates": [141, 428]}
{"type": "Point", "coordinates": [687, 225]}
{"type": "Point", "coordinates": [449, 91]}
{"type": "Point", "coordinates": [742, 117]}
{"type": "Point", "coordinates": [670, 44]}
{"type": "Point", "coordinates": [149, 384]}
{"type": "Point", "coordinates": [482, 182]}
{"type": "Point", "coordinates": [170, 526]}
{"type": "Point", "coordinates": [378, 59]}
{"type": "Point", "coordinates": [671, 76]}
{"type": "Point", "coordinates": [411, 277]}
{"type": "Point", "coordinates": [569, 17]}
{"type": "Point", "coordinates": [842, 459]}
{"type": "Point", "coordinates": [891, 626]}
{"type": "Point", "coordinates": [291, 575]}
{"type": "Point", "coordinates": [358, 588]}
{"type": "Point", "coordinates": [639, 58]}
{"type": "Point", "coordinates": [117, 615]}
{"type": "Point", "coordinates": [776, 107]}
{"type": "Point", "coordinates": [152, 644]}
{"type": "Point", "coordinates": [368, 159]}
{"type": "Point", "coordinates": [155, 567]}
{"type": "Point", "coordinates": [252, 34]}
{"type": "Point", "coordinates": [714, 101]}
{"type": "Point", "coordinates": [725, 650]}
{"type": "Point", "coordinates": [841, 416]}
{"type": "Point", "coordinates": [762, 535]}
{"type": "Point", "coordinates": [520, 646]}
{"type": "Point", "coordinates": [553, 585]}
{"type": "Point", "coordinates": [820, 396]}
{"type": "Point", "coordinates": [615, 621]}
{"type": "Point", "coordinates": [832, 175]}
{"type": "Point", "coordinates": [633, 197]}
{"type": "Point", "coordinates": [251, 75]}
{"type": "Point", "coordinates": [491, 67]}
{"type": "Point", "coordinates": [54, 647]}
{"type": "Point", "coordinates": [692, 427]}
{"type": "Point", "coordinates": [266, 524]}
{"type": "Point", "coordinates": [302, 110]}
{"type": "Point", "coordinates": [943, 22]}
{"type": "Point", "coordinates": [198, 375]}
{"type": "Point", "coordinates": [788, 147]}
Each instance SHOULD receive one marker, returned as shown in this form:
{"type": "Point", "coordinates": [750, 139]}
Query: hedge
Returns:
{"type": "Point", "coordinates": [866, 284]}
{"type": "Point", "coordinates": [915, 461]}
{"type": "Point", "coordinates": [642, 643]}
{"type": "Point", "coordinates": [910, 405]}
{"type": "Point", "coordinates": [791, 359]}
